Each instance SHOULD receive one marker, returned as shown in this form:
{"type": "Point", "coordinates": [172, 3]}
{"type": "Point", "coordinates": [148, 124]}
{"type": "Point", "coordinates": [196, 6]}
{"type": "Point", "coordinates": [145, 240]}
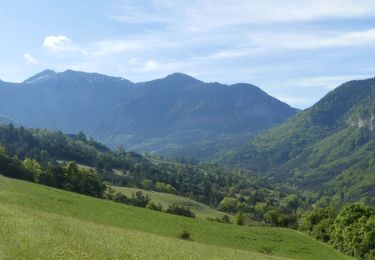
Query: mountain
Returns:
{"type": "Point", "coordinates": [329, 148]}
{"type": "Point", "coordinates": [4, 120]}
{"type": "Point", "coordinates": [178, 108]}
{"type": "Point", "coordinates": [45, 74]}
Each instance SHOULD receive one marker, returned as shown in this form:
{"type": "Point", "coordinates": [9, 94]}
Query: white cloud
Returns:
{"type": "Point", "coordinates": [151, 65]}
{"type": "Point", "coordinates": [141, 65]}
{"type": "Point", "coordinates": [59, 43]}
{"type": "Point", "coordinates": [133, 44]}
{"type": "Point", "coordinates": [233, 53]}
{"type": "Point", "coordinates": [203, 15]}
{"type": "Point", "coordinates": [29, 58]}
{"type": "Point", "coordinates": [314, 40]}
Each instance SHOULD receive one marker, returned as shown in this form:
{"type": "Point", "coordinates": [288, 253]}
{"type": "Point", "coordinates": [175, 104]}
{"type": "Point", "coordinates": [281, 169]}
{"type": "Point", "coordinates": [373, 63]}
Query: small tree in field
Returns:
{"type": "Point", "coordinates": [225, 219]}
{"type": "Point", "coordinates": [240, 219]}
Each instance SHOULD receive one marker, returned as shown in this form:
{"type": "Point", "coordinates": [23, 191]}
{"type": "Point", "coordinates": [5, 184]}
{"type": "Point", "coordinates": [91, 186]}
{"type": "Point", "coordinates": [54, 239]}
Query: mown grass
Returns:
{"type": "Point", "coordinates": [165, 199]}
{"type": "Point", "coordinates": [41, 222]}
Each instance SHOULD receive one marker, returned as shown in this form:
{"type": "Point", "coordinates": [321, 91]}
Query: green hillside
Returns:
{"type": "Point", "coordinates": [328, 148]}
{"type": "Point", "coordinates": [165, 199]}
{"type": "Point", "coordinates": [44, 223]}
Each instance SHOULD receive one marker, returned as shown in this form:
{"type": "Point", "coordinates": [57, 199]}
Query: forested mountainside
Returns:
{"type": "Point", "coordinates": [328, 148]}
{"type": "Point", "coordinates": [147, 116]}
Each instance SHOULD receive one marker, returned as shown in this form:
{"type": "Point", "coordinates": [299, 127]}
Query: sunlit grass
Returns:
{"type": "Point", "coordinates": [166, 199]}
{"type": "Point", "coordinates": [39, 222]}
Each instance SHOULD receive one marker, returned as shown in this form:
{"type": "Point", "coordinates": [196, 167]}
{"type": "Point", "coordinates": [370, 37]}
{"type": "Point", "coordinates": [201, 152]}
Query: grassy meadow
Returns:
{"type": "Point", "coordinates": [165, 199]}
{"type": "Point", "coordinates": [39, 222]}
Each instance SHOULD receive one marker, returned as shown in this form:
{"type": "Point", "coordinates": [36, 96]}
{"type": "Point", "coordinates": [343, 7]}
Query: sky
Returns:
{"type": "Point", "coordinates": [297, 51]}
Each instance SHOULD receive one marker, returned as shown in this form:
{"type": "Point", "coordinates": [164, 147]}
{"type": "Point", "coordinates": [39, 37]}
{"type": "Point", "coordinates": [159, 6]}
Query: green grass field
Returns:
{"type": "Point", "coordinates": [39, 222]}
{"type": "Point", "coordinates": [166, 199]}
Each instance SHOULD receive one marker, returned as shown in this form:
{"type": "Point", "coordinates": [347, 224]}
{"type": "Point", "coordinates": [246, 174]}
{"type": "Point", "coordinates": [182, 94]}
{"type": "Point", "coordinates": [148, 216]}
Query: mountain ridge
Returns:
{"type": "Point", "coordinates": [104, 106]}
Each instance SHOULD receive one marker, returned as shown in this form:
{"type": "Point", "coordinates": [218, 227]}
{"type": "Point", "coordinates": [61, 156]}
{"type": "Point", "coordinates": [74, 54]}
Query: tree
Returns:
{"type": "Point", "coordinates": [33, 167]}
{"type": "Point", "coordinates": [225, 219]}
{"type": "Point", "coordinates": [349, 215]}
{"type": "Point", "coordinates": [81, 136]}
{"type": "Point", "coordinates": [229, 204]}
{"type": "Point", "coordinates": [292, 202]}
{"type": "Point", "coordinates": [82, 181]}
{"type": "Point", "coordinates": [12, 167]}
{"type": "Point", "coordinates": [319, 223]}
{"type": "Point", "coordinates": [58, 176]}
{"type": "Point", "coordinates": [272, 217]}
{"type": "Point", "coordinates": [72, 175]}
{"type": "Point", "coordinates": [2, 151]}
{"type": "Point", "coordinates": [140, 200]}
{"type": "Point", "coordinates": [180, 210]}
{"type": "Point", "coordinates": [240, 219]}
{"type": "Point", "coordinates": [147, 184]}
{"type": "Point", "coordinates": [170, 189]}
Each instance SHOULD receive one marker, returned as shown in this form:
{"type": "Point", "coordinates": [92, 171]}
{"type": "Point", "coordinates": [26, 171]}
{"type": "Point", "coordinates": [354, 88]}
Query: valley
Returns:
{"type": "Point", "coordinates": [197, 130]}
{"type": "Point", "coordinates": [306, 174]}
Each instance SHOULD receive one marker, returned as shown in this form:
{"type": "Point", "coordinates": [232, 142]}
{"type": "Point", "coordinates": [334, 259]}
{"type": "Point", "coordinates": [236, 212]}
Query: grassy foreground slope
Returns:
{"type": "Point", "coordinates": [165, 199]}
{"type": "Point", "coordinates": [41, 222]}
{"type": "Point", "coordinates": [34, 234]}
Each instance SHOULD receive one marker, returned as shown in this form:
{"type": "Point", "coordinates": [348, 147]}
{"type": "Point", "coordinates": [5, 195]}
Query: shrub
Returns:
{"type": "Point", "coordinates": [180, 210]}
{"type": "Point", "coordinates": [239, 219]}
{"type": "Point", "coordinates": [186, 235]}
{"type": "Point", "coordinates": [225, 219]}
{"type": "Point", "coordinates": [154, 206]}
{"type": "Point", "coordinates": [139, 199]}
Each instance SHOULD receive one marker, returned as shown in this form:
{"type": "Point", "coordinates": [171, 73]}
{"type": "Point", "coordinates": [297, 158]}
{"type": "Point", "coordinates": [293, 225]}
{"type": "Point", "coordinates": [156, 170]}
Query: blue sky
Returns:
{"type": "Point", "coordinates": [295, 50]}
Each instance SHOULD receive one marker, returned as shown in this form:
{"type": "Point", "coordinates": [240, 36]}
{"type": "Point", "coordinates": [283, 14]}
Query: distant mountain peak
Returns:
{"type": "Point", "coordinates": [90, 76]}
{"type": "Point", "coordinates": [181, 77]}
{"type": "Point", "coordinates": [40, 76]}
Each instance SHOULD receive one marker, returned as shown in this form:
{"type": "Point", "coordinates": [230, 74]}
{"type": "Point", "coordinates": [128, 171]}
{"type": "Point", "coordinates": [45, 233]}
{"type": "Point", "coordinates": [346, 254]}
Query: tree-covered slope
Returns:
{"type": "Point", "coordinates": [206, 183]}
{"type": "Point", "coordinates": [327, 148]}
